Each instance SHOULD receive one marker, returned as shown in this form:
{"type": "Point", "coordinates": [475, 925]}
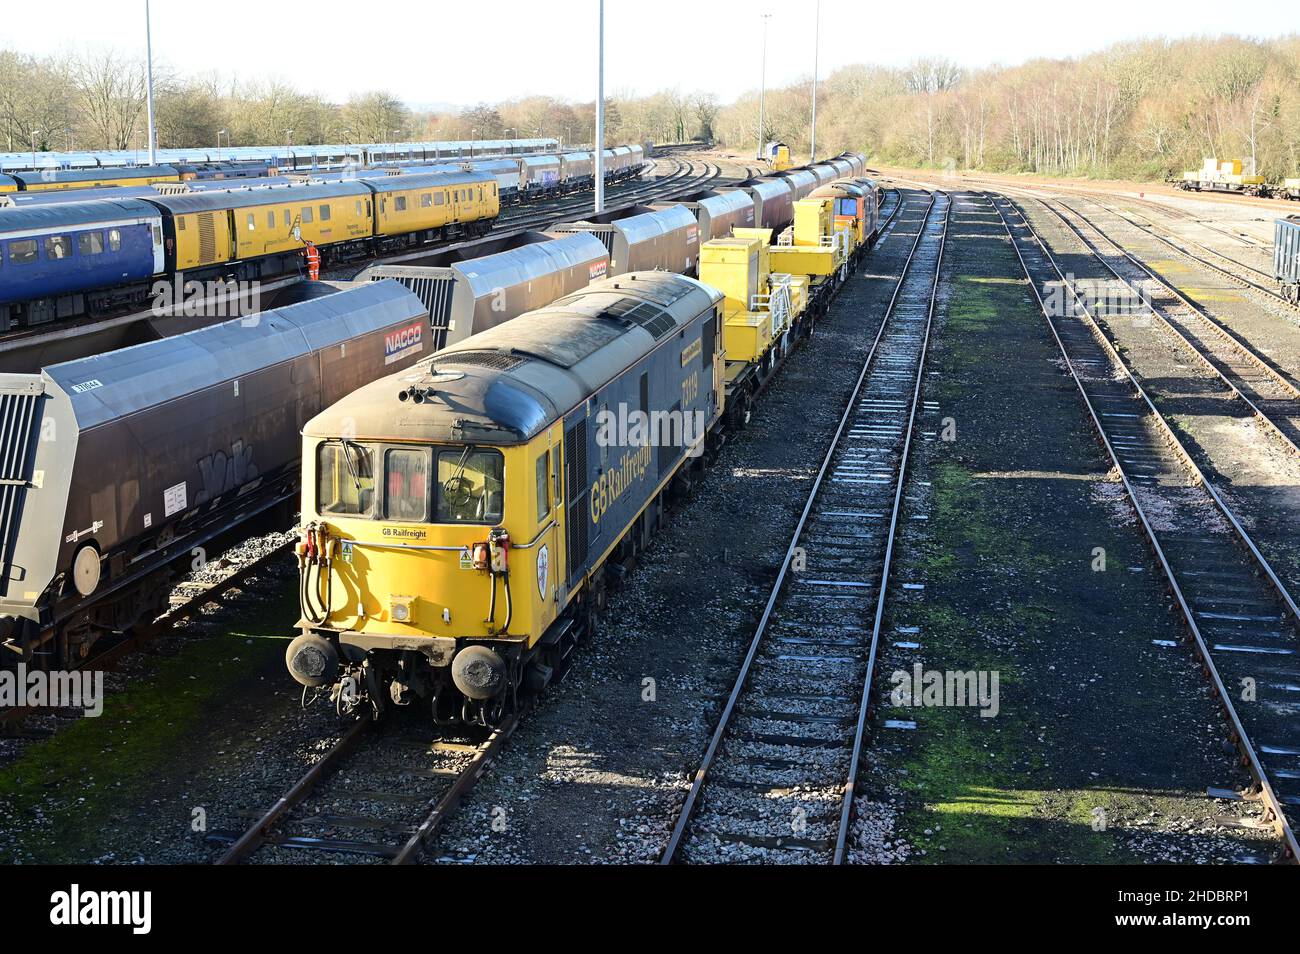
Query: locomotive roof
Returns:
{"type": "Point", "coordinates": [508, 383]}
{"type": "Point", "coordinates": [58, 215]}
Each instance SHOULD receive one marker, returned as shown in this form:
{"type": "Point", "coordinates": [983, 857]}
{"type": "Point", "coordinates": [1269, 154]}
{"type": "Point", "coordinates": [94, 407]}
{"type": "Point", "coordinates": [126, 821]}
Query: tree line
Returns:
{"type": "Point", "coordinates": [96, 102]}
{"type": "Point", "coordinates": [1144, 109]}
{"type": "Point", "coordinates": [1137, 109]}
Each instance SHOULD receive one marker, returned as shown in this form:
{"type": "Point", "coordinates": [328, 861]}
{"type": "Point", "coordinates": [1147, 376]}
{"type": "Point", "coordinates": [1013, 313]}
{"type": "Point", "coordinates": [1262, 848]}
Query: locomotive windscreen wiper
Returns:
{"type": "Point", "coordinates": [347, 459]}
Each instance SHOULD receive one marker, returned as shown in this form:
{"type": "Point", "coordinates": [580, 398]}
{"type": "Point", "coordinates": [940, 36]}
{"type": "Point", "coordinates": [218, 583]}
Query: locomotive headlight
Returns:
{"type": "Point", "coordinates": [399, 608]}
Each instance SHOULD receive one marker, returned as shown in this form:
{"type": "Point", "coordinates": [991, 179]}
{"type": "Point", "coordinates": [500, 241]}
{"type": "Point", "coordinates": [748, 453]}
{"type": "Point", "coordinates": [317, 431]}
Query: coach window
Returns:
{"type": "Point", "coordinates": [90, 243]}
{"type": "Point", "coordinates": [114, 240]}
{"type": "Point", "coordinates": [324, 213]}
{"type": "Point", "coordinates": [307, 218]}
{"type": "Point", "coordinates": [399, 203]}
{"type": "Point", "coordinates": [251, 224]}
{"type": "Point", "coordinates": [440, 198]}
{"type": "Point", "coordinates": [426, 200]}
{"type": "Point", "coordinates": [345, 479]}
{"type": "Point", "coordinates": [22, 251]}
{"type": "Point", "coordinates": [287, 220]}
{"type": "Point", "coordinates": [270, 219]}
{"type": "Point", "coordinates": [58, 246]}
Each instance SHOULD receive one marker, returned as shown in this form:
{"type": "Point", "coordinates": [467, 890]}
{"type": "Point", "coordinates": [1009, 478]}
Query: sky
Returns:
{"type": "Point", "coordinates": [408, 46]}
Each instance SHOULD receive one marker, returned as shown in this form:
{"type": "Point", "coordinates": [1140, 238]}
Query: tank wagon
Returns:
{"type": "Point", "coordinates": [460, 515]}
{"type": "Point", "coordinates": [1286, 257]}
{"type": "Point", "coordinates": [641, 238]}
{"type": "Point", "coordinates": [464, 298]}
{"type": "Point", "coordinates": [163, 447]}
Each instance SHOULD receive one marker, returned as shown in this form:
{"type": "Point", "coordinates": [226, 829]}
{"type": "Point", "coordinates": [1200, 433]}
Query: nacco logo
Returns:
{"type": "Point", "coordinates": [597, 270]}
{"type": "Point", "coordinates": [408, 340]}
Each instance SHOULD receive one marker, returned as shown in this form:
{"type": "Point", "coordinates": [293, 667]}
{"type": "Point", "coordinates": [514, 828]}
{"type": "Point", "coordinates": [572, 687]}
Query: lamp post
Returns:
{"type": "Point", "coordinates": [220, 133]}
{"type": "Point", "coordinates": [35, 133]}
{"type": "Point", "coordinates": [817, 35]}
{"type": "Point", "coordinates": [762, 89]}
{"type": "Point", "coordinates": [599, 146]}
{"type": "Point", "coordinates": [148, 88]}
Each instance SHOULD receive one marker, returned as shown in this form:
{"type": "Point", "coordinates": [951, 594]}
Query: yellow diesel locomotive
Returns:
{"type": "Point", "coordinates": [460, 517]}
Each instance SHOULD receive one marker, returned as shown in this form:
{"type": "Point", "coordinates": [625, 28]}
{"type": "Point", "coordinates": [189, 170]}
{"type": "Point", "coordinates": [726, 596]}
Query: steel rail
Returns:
{"type": "Point", "coordinates": [257, 835]}
{"type": "Point", "coordinates": [446, 806]}
{"type": "Point", "coordinates": [1229, 337]}
{"type": "Point", "coordinates": [859, 732]}
{"type": "Point", "coordinates": [697, 784]}
{"type": "Point", "coordinates": [1240, 737]}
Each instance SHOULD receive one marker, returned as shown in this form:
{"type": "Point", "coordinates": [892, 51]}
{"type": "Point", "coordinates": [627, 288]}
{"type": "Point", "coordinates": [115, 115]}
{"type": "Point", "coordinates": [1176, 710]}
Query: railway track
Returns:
{"type": "Point", "coordinates": [777, 779]}
{"type": "Point", "coordinates": [399, 789]}
{"type": "Point", "coordinates": [1238, 272]}
{"type": "Point", "coordinates": [1264, 390]}
{"type": "Point", "coordinates": [1241, 620]}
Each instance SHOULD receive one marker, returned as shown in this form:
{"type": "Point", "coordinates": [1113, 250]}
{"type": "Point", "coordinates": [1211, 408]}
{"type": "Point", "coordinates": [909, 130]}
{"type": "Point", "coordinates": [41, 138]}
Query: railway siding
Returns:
{"type": "Point", "coordinates": [1096, 721]}
{"type": "Point", "coordinates": [1236, 414]}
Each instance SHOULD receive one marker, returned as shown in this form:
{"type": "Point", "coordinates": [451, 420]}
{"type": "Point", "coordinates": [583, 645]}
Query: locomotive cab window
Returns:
{"type": "Point", "coordinates": [471, 484]}
{"type": "Point", "coordinates": [345, 479]}
{"type": "Point", "coordinates": [407, 474]}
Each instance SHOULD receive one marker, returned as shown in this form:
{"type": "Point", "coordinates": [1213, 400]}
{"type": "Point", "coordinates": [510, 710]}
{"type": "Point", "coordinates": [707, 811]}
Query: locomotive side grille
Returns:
{"type": "Point", "coordinates": [17, 414]}
{"type": "Point", "coordinates": [207, 238]}
{"type": "Point", "coordinates": [575, 468]}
